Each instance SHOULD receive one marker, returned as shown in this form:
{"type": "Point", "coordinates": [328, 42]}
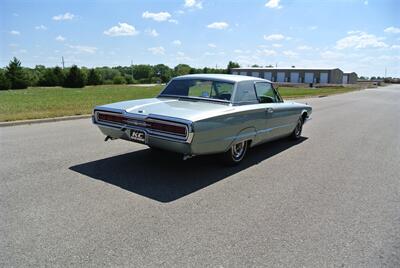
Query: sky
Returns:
{"type": "Point", "coordinates": [354, 35]}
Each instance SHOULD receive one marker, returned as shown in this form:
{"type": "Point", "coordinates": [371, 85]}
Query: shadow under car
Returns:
{"type": "Point", "coordinates": [165, 177]}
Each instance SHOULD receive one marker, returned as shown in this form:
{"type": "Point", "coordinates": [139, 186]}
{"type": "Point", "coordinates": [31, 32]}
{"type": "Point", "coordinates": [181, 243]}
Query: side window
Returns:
{"type": "Point", "coordinates": [245, 93]}
{"type": "Point", "coordinates": [265, 93]}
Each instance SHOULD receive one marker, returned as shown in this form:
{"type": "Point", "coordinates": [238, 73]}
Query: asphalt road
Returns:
{"type": "Point", "coordinates": [333, 199]}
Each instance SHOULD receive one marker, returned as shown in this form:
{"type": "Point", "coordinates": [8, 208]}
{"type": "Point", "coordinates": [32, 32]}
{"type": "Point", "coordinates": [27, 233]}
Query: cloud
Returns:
{"type": "Point", "coordinates": [181, 56]}
{"type": "Point", "coordinates": [152, 32]}
{"type": "Point", "coordinates": [360, 40]}
{"type": "Point", "coordinates": [60, 38]}
{"type": "Point", "coordinates": [173, 21]}
{"type": "Point", "coordinates": [218, 25]}
{"type": "Point", "coordinates": [366, 2]}
{"type": "Point", "coordinates": [273, 4]}
{"type": "Point", "coordinates": [276, 45]}
{"type": "Point", "coordinates": [14, 32]}
{"type": "Point", "coordinates": [123, 29]}
{"type": "Point", "coordinates": [212, 45]}
{"type": "Point", "coordinates": [84, 49]}
{"type": "Point", "coordinates": [275, 37]}
{"type": "Point", "coordinates": [193, 4]}
{"type": "Point", "coordinates": [66, 16]}
{"type": "Point", "coordinates": [392, 29]}
{"type": "Point", "coordinates": [267, 52]}
{"type": "Point", "coordinates": [289, 53]}
{"type": "Point", "coordinates": [161, 16]}
{"type": "Point", "coordinates": [41, 27]}
{"type": "Point", "coordinates": [304, 47]}
{"type": "Point", "coordinates": [312, 28]}
{"type": "Point", "coordinates": [239, 51]}
{"type": "Point", "coordinates": [331, 55]}
{"type": "Point", "coordinates": [395, 47]}
{"type": "Point", "coordinates": [157, 50]}
{"type": "Point", "coordinates": [176, 42]}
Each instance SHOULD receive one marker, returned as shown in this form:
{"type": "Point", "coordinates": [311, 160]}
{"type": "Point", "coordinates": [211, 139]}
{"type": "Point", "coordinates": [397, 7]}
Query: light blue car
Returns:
{"type": "Point", "coordinates": [205, 114]}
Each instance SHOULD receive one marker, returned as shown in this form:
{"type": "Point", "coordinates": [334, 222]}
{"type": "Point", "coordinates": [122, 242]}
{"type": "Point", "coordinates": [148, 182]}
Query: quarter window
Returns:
{"type": "Point", "coordinates": [265, 93]}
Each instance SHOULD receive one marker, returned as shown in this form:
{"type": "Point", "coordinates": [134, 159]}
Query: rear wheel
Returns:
{"type": "Point", "coordinates": [296, 134]}
{"type": "Point", "coordinates": [236, 153]}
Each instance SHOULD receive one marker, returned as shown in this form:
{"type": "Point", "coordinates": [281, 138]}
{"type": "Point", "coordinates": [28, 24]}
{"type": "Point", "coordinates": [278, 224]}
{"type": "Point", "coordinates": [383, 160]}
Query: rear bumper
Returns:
{"type": "Point", "coordinates": [164, 143]}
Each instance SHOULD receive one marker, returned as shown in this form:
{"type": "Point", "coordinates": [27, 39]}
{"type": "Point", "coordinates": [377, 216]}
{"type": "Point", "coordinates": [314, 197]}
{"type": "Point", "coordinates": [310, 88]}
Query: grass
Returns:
{"type": "Point", "coordinates": [47, 102]}
{"type": "Point", "coordinates": [41, 102]}
{"type": "Point", "coordinates": [292, 92]}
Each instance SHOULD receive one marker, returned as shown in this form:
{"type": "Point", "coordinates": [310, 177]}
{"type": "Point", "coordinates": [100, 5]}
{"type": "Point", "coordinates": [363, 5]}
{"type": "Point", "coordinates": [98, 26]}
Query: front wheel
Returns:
{"type": "Point", "coordinates": [296, 134]}
{"type": "Point", "coordinates": [236, 153]}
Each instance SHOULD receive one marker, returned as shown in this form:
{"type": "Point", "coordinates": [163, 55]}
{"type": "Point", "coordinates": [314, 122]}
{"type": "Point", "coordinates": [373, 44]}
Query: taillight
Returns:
{"type": "Point", "coordinates": [111, 118]}
{"type": "Point", "coordinates": [169, 128]}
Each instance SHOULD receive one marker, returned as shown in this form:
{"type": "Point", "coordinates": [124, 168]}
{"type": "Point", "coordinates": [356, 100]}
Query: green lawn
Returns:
{"type": "Point", "coordinates": [47, 102]}
{"type": "Point", "coordinates": [291, 92]}
{"type": "Point", "coordinates": [55, 101]}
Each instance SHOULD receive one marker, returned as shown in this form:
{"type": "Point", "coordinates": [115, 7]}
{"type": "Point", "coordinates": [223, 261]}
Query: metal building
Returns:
{"type": "Point", "coordinates": [350, 78]}
{"type": "Point", "coordinates": [297, 75]}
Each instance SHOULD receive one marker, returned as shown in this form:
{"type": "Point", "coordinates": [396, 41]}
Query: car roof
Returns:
{"type": "Point", "coordinates": [222, 77]}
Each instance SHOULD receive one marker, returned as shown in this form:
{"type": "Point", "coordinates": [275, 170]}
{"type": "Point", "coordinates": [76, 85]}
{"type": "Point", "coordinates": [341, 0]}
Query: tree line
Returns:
{"type": "Point", "coordinates": [14, 76]}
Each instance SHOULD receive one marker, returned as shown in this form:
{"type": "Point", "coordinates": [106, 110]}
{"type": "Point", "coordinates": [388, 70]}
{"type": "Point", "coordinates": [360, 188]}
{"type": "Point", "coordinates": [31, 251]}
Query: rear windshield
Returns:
{"type": "Point", "coordinates": [199, 88]}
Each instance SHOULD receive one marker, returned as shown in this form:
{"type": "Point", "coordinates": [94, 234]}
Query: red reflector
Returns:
{"type": "Point", "coordinates": [180, 130]}
{"type": "Point", "coordinates": [111, 118]}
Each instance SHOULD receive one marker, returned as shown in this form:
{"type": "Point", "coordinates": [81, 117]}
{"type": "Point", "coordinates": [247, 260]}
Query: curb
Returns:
{"type": "Point", "coordinates": [44, 120]}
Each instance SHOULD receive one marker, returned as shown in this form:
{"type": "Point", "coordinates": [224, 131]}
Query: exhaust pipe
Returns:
{"type": "Point", "coordinates": [187, 156]}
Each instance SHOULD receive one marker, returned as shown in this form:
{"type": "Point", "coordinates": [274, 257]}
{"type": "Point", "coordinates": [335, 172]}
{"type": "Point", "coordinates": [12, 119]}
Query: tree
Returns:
{"type": "Point", "coordinates": [119, 79]}
{"type": "Point", "coordinates": [16, 75]}
{"type": "Point", "coordinates": [59, 75]}
{"type": "Point", "coordinates": [142, 72]}
{"type": "Point", "coordinates": [94, 77]}
{"type": "Point", "coordinates": [231, 65]}
{"type": "Point", "coordinates": [182, 69]}
{"type": "Point", "coordinates": [163, 72]}
{"type": "Point", "coordinates": [75, 78]}
{"type": "Point", "coordinates": [4, 82]}
{"type": "Point", "coordinates": [48, 79]}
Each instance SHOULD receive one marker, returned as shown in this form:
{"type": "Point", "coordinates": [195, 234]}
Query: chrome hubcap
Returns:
{"type": "Point", "coordinates": [238, 150]}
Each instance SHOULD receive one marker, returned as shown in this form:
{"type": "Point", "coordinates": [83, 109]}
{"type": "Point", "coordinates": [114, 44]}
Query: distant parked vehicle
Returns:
{"type": "Point", "coordinates": [205, 114]}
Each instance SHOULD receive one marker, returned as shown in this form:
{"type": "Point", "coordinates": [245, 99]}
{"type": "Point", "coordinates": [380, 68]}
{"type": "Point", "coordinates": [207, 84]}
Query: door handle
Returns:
{"type": "Point", "coordinates": [269, 110]}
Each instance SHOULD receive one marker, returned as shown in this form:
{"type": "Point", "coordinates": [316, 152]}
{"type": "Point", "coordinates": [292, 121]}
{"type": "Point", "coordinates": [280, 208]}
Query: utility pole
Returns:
{"type": "Point", "coordinates": [62, 61]}
{"type": "Point", "coordinates": [385, 71]}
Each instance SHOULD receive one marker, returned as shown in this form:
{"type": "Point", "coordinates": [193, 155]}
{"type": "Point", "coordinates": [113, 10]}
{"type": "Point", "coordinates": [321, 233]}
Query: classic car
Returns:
{"type": "Point", "coordinates": [206, 114]}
